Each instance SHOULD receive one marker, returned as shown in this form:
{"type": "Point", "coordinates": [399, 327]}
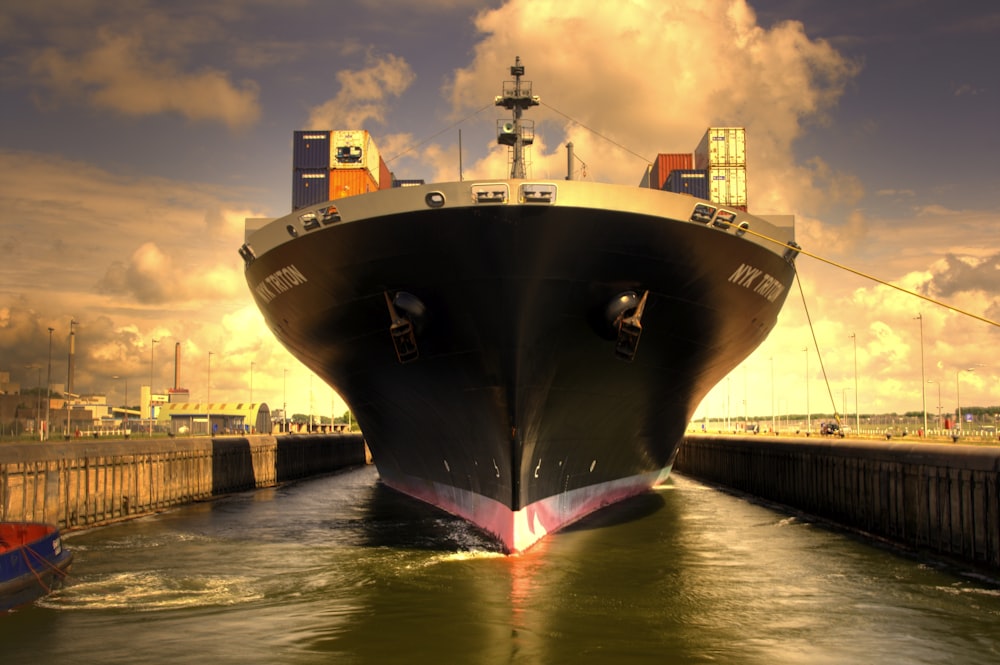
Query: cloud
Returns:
{"type": "Point", "coordinates": [956, 274]}
{"type": "Point", "coordinates": [363, 94]}
{"type": "Point", "coordinates": [117, 74]}
{"type": "Point", "coordinates": [152, 277]}
{"type": "Point", "coordinates": [651, 77]}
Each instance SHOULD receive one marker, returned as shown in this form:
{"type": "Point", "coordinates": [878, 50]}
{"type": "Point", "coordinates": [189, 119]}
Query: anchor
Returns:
{"type": "Point", "coordinates": [629, 331]}
{"type": "Point", "coordinates": [401, 330]}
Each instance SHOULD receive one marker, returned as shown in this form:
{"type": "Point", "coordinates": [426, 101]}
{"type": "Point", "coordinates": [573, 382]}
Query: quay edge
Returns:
{"type": "Point", "coordinates": [938, 498]}
{"type": "Point", "coordinates": [81, 484]}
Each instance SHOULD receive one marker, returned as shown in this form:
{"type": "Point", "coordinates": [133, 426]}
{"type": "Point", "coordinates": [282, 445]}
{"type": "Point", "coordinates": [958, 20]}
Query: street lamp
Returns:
{"type": "Point", "coordinates": [38, 398]}
{"type": "Point", "coordinates": [251, 382]}
{"type": "Point", "coordinates": [284, 402]}
{"type": "Point", "coordinates": [857, 414]}
{"type": "Point", "coordinates": [746, 416]}
{"type": "Point", "coordinates": [208, 392]}
{"type": "Point", "coordinates": [774, 430]}
{"type": "Point", "coordinates": [958, 399]}
{"type": "Point", "coordinates": [115, 378]}
{"type": "Point", "coordinates": [48, 388]}
{"type": "Point", "coordinates": [923, 380]}
{"type": "Point", "coordinates": [808, 409]}
{"type": "Point", "coordinates": [152, 346]}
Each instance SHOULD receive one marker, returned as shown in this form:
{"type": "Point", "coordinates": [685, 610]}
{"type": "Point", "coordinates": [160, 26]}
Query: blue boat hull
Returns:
{"type": "Point", "coordinates": [33, 561]}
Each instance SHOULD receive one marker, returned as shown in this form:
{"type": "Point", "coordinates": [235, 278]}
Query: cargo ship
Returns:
{"type": "Point", "coordinates": [518, 351]}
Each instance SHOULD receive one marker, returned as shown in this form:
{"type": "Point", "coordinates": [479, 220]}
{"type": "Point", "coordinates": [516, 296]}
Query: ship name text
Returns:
{"type": "Point", "coordinates": [757, 281]}
{"type": "Point", "coordinates": [279, 281]}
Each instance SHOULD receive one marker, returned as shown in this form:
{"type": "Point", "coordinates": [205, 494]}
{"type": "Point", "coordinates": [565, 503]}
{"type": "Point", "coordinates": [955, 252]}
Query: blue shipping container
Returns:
{"type": "Point", "coordinates": [688, 181]}
{"type": "Point", "coordinates": [311, 150]}
{"type": "Point", "coordinates": [309, 187]}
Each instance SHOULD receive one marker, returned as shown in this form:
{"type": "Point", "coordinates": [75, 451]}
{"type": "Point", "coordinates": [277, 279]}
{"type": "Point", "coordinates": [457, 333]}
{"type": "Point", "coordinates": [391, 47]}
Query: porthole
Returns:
{"type": "Point", "coordinates": [434, 199]}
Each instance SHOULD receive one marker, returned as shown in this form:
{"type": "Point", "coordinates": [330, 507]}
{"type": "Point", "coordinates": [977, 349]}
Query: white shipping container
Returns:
{"type": "Point", "coordinates": [354, 149]}
{"type": "Point", "coordinates": [721, 146]}
{"type": "Point", "coordinates": [727, 185]}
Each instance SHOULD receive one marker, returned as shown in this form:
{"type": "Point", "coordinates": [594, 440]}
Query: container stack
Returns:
{"type": "Point", "coordinates": [716, 171]}
{"type": "Point", "coordinates": [658, 172]}
{"type": "Point", "coordinates": [722, 153]}
{"type": "Point", "coordinates": [310, 168]}
{"type": "Point", "coordinates": [332, 164]}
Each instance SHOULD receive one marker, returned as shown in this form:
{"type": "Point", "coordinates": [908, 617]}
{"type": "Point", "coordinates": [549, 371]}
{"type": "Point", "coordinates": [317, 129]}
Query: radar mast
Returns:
{"type": "Point", "coordinates": [516, 133]}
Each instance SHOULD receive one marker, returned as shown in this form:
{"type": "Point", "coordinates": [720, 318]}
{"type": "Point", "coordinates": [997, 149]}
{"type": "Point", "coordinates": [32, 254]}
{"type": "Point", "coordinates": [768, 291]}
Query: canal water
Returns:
{"type": "Point", "coordinates": [341, 570]}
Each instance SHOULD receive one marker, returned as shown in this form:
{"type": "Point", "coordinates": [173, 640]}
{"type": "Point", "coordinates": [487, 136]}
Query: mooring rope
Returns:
{"type": "Point", "coordinates": [798, 280]}
{"type": "Point", "coordinates": [865, 275]}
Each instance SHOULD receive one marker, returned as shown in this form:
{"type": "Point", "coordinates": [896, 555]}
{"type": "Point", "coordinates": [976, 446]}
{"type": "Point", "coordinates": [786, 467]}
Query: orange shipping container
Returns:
{"type": "Point", "coordinates": [350, 182]}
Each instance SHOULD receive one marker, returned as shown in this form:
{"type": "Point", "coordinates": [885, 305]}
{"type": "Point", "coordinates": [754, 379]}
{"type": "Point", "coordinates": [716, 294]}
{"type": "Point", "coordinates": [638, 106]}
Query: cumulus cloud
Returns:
{"type": "Point", "coordinates": [963, 273]}
{"type": "Point", "coordinates": [117, 74]}
{"type": "Point", "coordinates": [118, 254]}
{"type": "Point", "coordinates": [153, 277]}
{"type": "Point", "coordinates": [653, 76]}
{"type": "Point", "coordinates": [363, 94]}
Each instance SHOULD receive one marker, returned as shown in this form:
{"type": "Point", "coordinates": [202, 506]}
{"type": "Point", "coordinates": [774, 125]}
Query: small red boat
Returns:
{"type": "Point", "coordinates": [32, 562]}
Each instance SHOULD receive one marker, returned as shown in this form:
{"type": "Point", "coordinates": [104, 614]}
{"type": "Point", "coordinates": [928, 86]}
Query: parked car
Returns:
{"type": "Point", "coordinates": [831, 429]}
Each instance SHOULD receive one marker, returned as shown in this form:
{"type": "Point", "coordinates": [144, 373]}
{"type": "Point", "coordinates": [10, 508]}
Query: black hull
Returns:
{"type": "Point", "coordinates": [517, 402]}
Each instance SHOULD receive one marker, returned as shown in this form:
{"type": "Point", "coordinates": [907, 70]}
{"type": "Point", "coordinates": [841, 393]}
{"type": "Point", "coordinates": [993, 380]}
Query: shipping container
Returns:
{"type": "Point", "coordinates": [727, 185]}
{"type": "Point", "coordinates": [688, 181]}
{"type": "Point", "coordinates": [311, 149]}
{"type": "Point", "coordinates": [354, 149]}
{"type": "Point", "coordinates": [309, 187]}
{"type": "Point", "coordinates": [412, 182]}
{"type": "Point", "coordinates": [384, 175]}
{"type": "Point", "coordinates": [350, 182]}
{"type": "Point", "coordinates": [721, 146]}
{"type": "Point", "coordinates": [665, 163]}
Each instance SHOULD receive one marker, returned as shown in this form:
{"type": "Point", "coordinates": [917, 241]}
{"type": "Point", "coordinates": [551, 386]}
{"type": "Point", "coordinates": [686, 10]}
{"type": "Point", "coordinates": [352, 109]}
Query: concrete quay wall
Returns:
{"type": "Point", "coordinates": [940, 498]}
{"type": "Point", "coordinates": [81, 484]}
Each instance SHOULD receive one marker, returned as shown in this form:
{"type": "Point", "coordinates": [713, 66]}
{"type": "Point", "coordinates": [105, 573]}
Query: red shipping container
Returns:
{"type": "Point", "coordinates": [351, 182]}
{"type": "Point", "coordinates": [384, 175]}
{"type": "Point", "coordinates": [667, 162]}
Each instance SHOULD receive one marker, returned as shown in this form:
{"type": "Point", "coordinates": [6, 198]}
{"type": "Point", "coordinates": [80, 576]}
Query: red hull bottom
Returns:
{"type": "Point", "coordinates": [519, 530]}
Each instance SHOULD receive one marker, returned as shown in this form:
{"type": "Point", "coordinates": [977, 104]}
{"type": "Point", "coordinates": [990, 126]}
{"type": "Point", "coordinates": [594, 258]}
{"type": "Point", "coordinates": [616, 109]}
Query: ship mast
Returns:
{"type": "Point", "coordinates": [516, 133]}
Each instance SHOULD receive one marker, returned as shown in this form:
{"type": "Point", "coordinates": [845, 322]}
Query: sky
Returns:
{"type": "Point", "coordinates": [136, 136]}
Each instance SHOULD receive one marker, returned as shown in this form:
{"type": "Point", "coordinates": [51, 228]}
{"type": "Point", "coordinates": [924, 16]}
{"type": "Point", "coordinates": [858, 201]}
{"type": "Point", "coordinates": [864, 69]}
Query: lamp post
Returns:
{"type": "Point", "coordinates": [152, 346]}
{"type": "Point", "coordinates": [774, 430]}
{"type": "Point", "coordinates": [48, 389]}
{"type": "Point", "coordinates": [38, 397]}
{"type": "Point", "coordinates": [857, 413]}
{"type": "Point", "coordinates": [284, 402]}
{"type": "Point", "coordinates": [208, 393]}
{"type": "Point", "coordinates": [251, 382]}
{"type": "Point", "coordinates": [746, 415]}
{"type": "Point", "coordinates": [923, 380]}
{"type": "Point", "coordinates": [808, 409]}
{"type": "Point", "coordinates": [958, 399]}
{"type": "Point", "coordinates": [116, 377]}
{"type": "Point", "coordinates": [729, 400]}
